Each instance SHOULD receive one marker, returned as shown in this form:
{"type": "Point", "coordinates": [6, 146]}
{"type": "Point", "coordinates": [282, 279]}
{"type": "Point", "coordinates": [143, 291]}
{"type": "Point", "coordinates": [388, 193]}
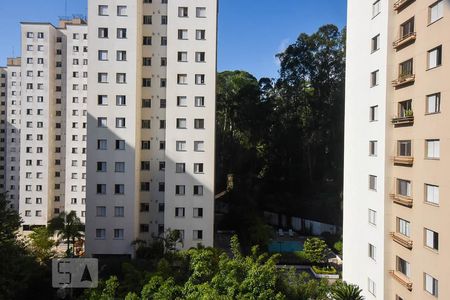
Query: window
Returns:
{"type": "Point", "coordinates": [161, 187]}
{"type": "Point", "coordinates": [403, 267]}
{"type": "Point", "coordinates": [102, 77]}
{"type": "Point", "coordinates": [163, 20]}
{"type": "Point", "coordinates": [372, 217]}
{"type": "Point", "coordinates": [200, 34]}
{"type": "Point", "coordinates": [119, 167]}
{"type": "Point", "coordinates": [119, 189]}
{"type": "Point", "coordinates": [432, 149]}
{"type": "Point", "coordinates": [431, 239]}
{"type": "Point", "coordinates": [182, 34]}
{"type": "Point", "coordinates": [181, 101]}
{"type": "Point", "coordinates": [101, 166]}
{"type": "Point", "coordinates": [30, 35]}
{"type": "Point", "coordinates": [120, 145]}
{"type": "Point", "coordinates": [121, 33]}
{"type": "Point", "coordinates": [146, 124]}
{"type": "Point", "coordinates": [144, 228]}
{"type": "Point", "coordinates": [162, 124]}
{"type": "Point", "coordinates": [199, 101]}
{"type": "Point", "coordinates": [146, 82]}
{"type": "Point", "coordinates": [40, 35]}
{"type": "Point", "coordinates": [199, 79]}
{"type": "Point", "coordinates": [121, 55]}
{"type": "Point", "coordinates": [198, 190]}
{"type": "Point", "coordinates": [197, 235]}
{"type": "Point", "coordinates": [403, 227]}
{"type": "Point", "coordinates": [430, 284]}
{"type": "Point", "coordinates": [181, 145]}
{"type": "Point", "coordinates": [181, 123]}
{"type": "Point", "coordinates": [376, 7]}
{"type": "Point", "coordinates": [121, 78]}
{"type": "Point", "coordinates": [183, 12]}
{"type": "Point", "coordinates": [407, 28]}
{"type": "Point", "coordinates": [372, 252]}
{"type": "Point", "coordinates": [145, 165]}
{"type": "Point", "coordinates": [432, 194]}
{"type": "Point", "coordinates": [148, 20]}
{"type": "Point", "coordinates": [162, 166]}
{"type": "Point", "coordinates": [199, 123]}
{"type": "Point", "coordinates": [179, 212]}
{"type": "Point", "coordinates": [103, 10]}
{"type": "Point", "coordinates": [145, 145]}
{"type": "Point", "coordinates": [101, 188]}
{"type": "Point", "coordinates": [179, 190]}
{"type": "Point", "coordinates": [121, 10]}
{"type": "Point", "coordinates": [405, 109]}
{"type": "Point", "coordinates": [404, 148]}
{"type": "Point", "coordinates": [374, 78]}
{"type": "Point", "coordinates": [162, 83]}
{"type": "Point", "coordinates": [436, 11]}
{"type": "Point", "coordinates": [147, 61]}
{"type": "Point", "coordinates": [434, 103]}
{"type": "Point", "coordinates": [404, 187]}
{"type": "Point", "coordinates": [182, 56]}
{"type": "Point", "coordinates": [198, 212]}
{"type": "Point", "coordinates": [435, 57]}
{"type": "Point", "coordinates": [144, 207]}
{"type": "Point", "coordinates": [101, 122]}
{"type": "Point", "coordinates": [163, 61]}
{"type": "Point", "coordinates": [200, 12]}
{"type": "Point", "coordinates": [102, 100]}
{"type": "Point", "coordinates": [164, 41]}
{"type": "Point", "coordinates": [147, 40]}
{"type": "Point", "coordinates": [120, 122]}
{"type": "Point", "coordinates": [118, 211]}
{"type": "Point", "coordinates": [200, 56]}
{"type": "Point", "coordinates": [406, 68]}
{"type": "Point", "coordinates": [180, 167]}
{"type": "Point", "coordinates": [103, 33]}
{"type": "Point", "coordinates": [121, 100]}
{"type": "Point", "coordinates": [198, 168]}
{"type": "Point", "coordinates": [146, 103]}
{"type": "Point", "coordinates": [373, 148]}
{"type": "Point", "coordinates": [100, 234]}
{"type": "Point", "coordinates": [118, 234]}
{"type": "Point", "coordinates": [182, 79]}
{"type": "Point", "coordinates": [100, 211]}
{"type": "Point", "coordinates": [376, 43]}
{"type": "Point", "coordinates": [373, 182]}
{"type": "Point", "coordinates": [373, 115]}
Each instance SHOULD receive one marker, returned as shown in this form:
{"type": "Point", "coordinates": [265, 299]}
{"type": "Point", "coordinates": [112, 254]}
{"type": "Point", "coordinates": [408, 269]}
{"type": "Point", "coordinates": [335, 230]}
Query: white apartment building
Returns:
{"type": "Point", "coordinates": [396, 154]}
{"type": "Point", "coordinates": [3, 93]}
{"type": "Point", "coordinates": [52, 119]}
{"type": "Point", "coordinates": [151, 122]}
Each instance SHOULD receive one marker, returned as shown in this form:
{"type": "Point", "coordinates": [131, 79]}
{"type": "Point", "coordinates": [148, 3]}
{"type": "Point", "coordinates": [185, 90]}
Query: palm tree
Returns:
{"type": "Point", "coordinates": [68, 227]}
{"type": "Point", "coordinates": [345, 291]}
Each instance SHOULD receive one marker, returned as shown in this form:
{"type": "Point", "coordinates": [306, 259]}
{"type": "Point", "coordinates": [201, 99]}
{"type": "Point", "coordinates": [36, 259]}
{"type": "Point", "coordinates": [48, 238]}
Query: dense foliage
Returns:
{"type": "Point", "coordinates": [282, 140]}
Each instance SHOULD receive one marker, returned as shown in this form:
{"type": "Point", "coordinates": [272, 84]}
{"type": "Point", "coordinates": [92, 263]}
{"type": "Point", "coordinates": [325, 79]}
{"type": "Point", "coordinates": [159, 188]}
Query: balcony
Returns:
{"type": "Point", "coordinates": [406, 120]}
{"type": "Point", "coordinates": [402, 279]}
{"type": "Point", "coordinates": [402, 200]}
{"type": "Point", "coordinates": [404, 160]}
{"type": "Point", "coordinates": [401, 4]}
{"type": "Point", "coordinates": [404, 80]}
{"type": "Point", "coordinates": [404, 40]}
{"type": "Point", "coordinates": [402, 240]}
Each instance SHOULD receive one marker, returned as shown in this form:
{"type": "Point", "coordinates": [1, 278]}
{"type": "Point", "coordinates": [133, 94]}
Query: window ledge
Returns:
{"type": "Point", "coordinates": [429, 24]}
{"type": "Point", "coordinates": [429, 69]}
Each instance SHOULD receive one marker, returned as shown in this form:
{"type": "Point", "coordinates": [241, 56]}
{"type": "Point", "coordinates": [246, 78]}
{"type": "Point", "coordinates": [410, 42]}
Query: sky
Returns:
{"type": "Point", "coordinates": [251, 32]}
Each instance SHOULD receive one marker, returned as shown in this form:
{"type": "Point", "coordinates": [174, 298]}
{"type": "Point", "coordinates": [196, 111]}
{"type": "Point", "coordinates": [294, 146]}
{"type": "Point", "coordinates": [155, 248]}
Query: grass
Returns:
{"type": "Point", "coordinates": [328, 270]}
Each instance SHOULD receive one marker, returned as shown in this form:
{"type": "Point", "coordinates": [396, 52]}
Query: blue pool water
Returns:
{"type": "Point", "coordinates": [285, 246]}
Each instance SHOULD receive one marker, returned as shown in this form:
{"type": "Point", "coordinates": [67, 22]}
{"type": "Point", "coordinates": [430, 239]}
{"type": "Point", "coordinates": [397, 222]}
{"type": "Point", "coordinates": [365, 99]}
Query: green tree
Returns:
{"type": "Point", "coordinates": [345, 291]}
{"type": "Point", "coordinates": [316, 250]}
{"type": "Point", "coordinates": [68, 228]}
{"type": "Point", "coordinates": [42, 243]}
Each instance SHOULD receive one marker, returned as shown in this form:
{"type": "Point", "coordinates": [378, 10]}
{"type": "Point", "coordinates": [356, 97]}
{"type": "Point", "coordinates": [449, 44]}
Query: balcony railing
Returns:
{"type": "Point", "coordinates": [404, 40]}
{"type": "Point", "coordinates": [402, 200]}
{"type": "Point", "coordinates": [404, 79]}
{"type": "Point", "coordinates": [405, 120]}
{"type": "Point", "coordinates": [402, 279]}
{"type": "Point", "coordinates": [402, 240]}
{"type": "Point", "coordinates": [404, 160]}
{"type": "Point", "coordinates": [400, 4]}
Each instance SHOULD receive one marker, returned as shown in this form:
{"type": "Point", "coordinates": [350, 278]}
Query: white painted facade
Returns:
{"type": "Point", "coordinates": [159, 111]}
{"type": "Point", "coordinates": [3, 125]}
{"type": "Point", "coordinates": [359, 200]}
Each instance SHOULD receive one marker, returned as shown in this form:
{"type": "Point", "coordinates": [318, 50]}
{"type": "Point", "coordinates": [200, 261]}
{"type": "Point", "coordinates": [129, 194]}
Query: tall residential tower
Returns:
{"type": "Point", "coordinates": [397, 149]}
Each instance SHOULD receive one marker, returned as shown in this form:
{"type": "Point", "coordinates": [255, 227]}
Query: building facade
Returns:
{"type": "Point", "coordinates": [395, 182]}
{"type": "Point", "coordinates": [151, 123]}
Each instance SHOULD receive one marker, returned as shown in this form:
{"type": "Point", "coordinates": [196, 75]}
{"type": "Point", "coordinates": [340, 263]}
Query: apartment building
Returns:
{"type": "Point", "coordinates": [47, 119]}
{"type": "Point", "coordinates": [3, 92]}
{"type": "Point", "coordinates": [395, 180]}
{"type": "Point", "coordinates": [151, 121]}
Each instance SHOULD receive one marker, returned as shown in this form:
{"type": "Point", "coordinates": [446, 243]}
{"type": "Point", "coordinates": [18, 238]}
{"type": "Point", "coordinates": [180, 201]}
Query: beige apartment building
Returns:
{"type": "Point", "coordinates": [396, 179]}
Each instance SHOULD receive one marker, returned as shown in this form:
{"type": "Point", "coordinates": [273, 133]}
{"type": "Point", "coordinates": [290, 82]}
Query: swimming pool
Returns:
{"type": "Point", "coordinates": [285, 246]}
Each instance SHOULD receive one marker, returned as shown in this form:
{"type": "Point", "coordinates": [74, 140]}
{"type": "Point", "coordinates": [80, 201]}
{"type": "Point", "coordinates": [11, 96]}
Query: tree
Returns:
{"type": "Point", "coordinates": [345, 291]}
{"type": "Point", "coordinates": [68, 228]}
{"type": "Point", "coordinates": [42, 243]}
{"type": "Point", "coordinates": [316, 250]}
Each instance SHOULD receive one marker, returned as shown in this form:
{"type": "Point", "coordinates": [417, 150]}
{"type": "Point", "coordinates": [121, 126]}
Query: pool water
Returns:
{"type": "Point", "coordinates": [285, 246]}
